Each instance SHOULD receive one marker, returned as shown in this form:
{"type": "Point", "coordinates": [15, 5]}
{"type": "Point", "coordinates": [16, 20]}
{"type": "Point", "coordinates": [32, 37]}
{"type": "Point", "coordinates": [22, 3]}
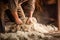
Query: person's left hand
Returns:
{"type": "Point", "coordinates": [29, 20]}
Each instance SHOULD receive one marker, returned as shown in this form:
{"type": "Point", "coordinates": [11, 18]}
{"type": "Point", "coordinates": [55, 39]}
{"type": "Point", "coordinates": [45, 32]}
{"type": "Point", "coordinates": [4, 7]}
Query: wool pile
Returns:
{"type": "Point", "coordinates": [33, 26]}
{"type": "Point", "coordinates": [33, 31]}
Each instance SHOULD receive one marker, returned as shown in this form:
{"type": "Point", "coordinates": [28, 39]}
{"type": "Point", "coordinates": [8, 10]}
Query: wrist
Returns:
{"type": "Point", "coordinates": [17, 18]}
{"type": "Point", "coordinates": [30, 14]}
{"type": "Point", "coordinates": [30, 17]}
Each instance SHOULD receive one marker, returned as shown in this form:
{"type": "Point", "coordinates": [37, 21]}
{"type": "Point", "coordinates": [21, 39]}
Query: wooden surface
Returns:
{"type": "Point", "coordinates": [59, 14]}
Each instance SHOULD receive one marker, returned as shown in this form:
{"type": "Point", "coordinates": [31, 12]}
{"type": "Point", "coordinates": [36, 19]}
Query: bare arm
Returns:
{"type": "Point", "coordinates": [32, 7]}
{"type": "Point", "coordinates": [13, 8]}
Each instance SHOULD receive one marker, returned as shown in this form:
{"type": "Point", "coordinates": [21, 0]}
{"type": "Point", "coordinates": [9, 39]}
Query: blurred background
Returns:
{"type": "Point", "coordinates": [47, 11]}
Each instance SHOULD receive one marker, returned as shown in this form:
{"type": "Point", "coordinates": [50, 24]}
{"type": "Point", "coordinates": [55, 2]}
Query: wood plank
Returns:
{"type": "Point", "coordinates": [59, 14]}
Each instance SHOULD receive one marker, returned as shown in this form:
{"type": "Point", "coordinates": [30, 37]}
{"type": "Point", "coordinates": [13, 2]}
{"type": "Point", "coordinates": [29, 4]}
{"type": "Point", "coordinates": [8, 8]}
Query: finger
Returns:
{"type": "Point", "coordinates": [28, 22]}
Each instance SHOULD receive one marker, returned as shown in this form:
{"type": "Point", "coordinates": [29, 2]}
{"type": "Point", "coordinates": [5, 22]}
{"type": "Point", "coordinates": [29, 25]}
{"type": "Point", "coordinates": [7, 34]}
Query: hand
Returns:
{"type": "Point", "coordinates": [18, 21]}
{"type": "Point", "coordinates": [29, 20]}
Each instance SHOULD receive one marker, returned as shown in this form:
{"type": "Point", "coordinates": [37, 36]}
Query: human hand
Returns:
{"type": "Point", "coordinates": [18, 21]}
{"type": "Point", "coordinates": [29, 20]}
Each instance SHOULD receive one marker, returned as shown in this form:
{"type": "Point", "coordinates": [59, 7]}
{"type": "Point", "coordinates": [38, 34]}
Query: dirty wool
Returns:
{"type": "Point", "coordinates": [32, 31]}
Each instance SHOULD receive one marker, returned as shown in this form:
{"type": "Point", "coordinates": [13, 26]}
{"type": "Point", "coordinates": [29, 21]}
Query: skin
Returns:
{"type": "Point", "coordinates": [18, 20]}
{"type": "Point", "coordinates": [31, 12]}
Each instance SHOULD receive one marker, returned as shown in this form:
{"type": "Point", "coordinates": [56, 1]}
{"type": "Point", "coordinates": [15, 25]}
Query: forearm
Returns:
{"type": "Point", "coordinates": [12, 4]}
{"type": "Point", "coordinates": [32, 11]}
{"type": "Point", "coordinates": [32, 8]}
{"type": "Point", "coordinates": [14, 14]}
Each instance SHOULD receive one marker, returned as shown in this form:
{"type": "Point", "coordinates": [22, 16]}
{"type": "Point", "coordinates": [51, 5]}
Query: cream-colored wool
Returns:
{"type": "Point", "coordinates": [33, 26]}
{"type": "Point", "coordinates": [33, 31]}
